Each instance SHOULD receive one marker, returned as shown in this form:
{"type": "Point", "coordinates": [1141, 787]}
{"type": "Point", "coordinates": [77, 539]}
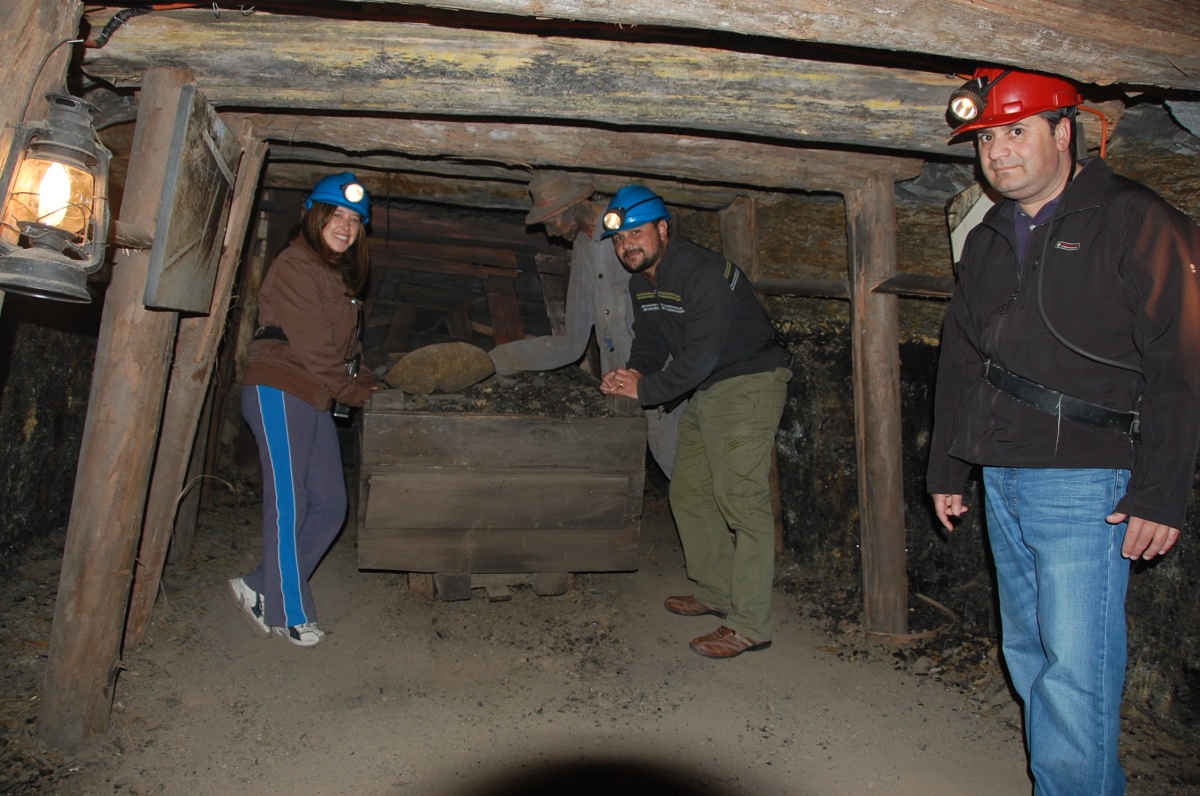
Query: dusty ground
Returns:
{"type": "Point", "coordinates": [593, 691]}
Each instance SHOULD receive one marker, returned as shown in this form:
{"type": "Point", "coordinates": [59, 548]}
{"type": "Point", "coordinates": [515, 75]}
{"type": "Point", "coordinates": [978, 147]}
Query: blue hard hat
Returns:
{"type": "Point", "coordinates": [631, 207]}
{"type": "Point", "coordinates": [343, 190]}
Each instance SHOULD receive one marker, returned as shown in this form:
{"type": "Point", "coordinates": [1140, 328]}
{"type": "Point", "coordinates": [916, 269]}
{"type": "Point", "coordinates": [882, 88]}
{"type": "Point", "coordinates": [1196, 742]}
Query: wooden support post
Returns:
{"type": "Point", "coordinates": [506, 315]}
{"type": "Point", "coordinates": [133, 354]}
{"type": "Point", "coordinates": [739, 242]}
{"type": "Point", "coordinates": [739, 235]}
{"type": "Point", "coordinates": [875, 344]}
{"type": "Point", "coordinates": [551, 270]}
{"type": "Point", "coordinates": [29, 30]}
{"type": "Point", "coordinates": [187, 511]}
{"type": "Point", "coordinates": [195, 350]}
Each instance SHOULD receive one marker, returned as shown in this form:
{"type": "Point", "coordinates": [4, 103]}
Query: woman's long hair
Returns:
{"type": "Point", "coordinates": [354, 263]}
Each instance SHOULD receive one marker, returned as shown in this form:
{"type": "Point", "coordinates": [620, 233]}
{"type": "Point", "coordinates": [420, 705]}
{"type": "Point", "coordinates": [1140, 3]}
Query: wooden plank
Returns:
{"type": "Point", "coordinates": [475, 497]}
{"type": "Point", "coordinates": [812, 288]}
{"type": "Point", "coordinates": [115, 458]}
{"type": "Point", "coordinates": [452, 587]}
{"type": "Point", "coordinates": [923, 285]}
{"type": "Point", "coordinates": [478, 187]}
{"type": "Point", "coordinates": [188, 513]}
{"type": "Point", "coordinates": [500, 74]}
{"type": "Point", "coordinates": [589, 150]}
{"type": "Point", "coordinates": [875, 347]}
{"type": "Point", "coordinates": [399, 327]}
{"type": "Point", "coordinates": [195, 352]}
{"type": "Point", "coordinates": [432, 439]}
{"type": "Point", "coordinates": [194, 209]}
{"type": "Point", "coordinates": [411, 225]}
{"type": "Point", "coordinates": [31, 30]}
{"type": "Point", "coordinates": [551, 269]}
{"type": "Point", "coordinates": [500, 550]}
{"type": "Point", "coordinates": [460, 326]}
{"type": "Point", "coordinates": [397, 255]}
{"type": "Point", "coordinates": [505, 312]}
{"type": "Point", "coordinates": [435, 298]}
{"type": "Point", "coordinates": [920, 285]}
{"type": "Point", "coordinates": [739, 235]}
{"type": "Point", "coordinates": [476, 255]}
{"type": "Point", "coordinates": [477, 191]}
{"type": "Point", "coordinates": [1145, 42]}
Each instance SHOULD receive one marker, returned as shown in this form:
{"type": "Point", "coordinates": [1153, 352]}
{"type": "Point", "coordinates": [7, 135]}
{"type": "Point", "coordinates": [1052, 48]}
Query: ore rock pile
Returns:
{"type": "Point", "coordinates": [563, 393]}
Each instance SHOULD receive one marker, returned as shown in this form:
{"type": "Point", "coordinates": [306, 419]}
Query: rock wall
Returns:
{"type": "Point", "coordinates": [47, 350]}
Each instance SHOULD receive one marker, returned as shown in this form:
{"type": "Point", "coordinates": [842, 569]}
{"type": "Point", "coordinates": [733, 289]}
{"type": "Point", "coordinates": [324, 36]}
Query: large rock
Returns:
{"type": "Point", "coordinates": [447, 367]}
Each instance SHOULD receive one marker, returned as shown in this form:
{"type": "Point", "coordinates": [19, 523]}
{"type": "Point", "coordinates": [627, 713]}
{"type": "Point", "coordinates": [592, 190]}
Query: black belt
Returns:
{"type": "Point", "coordinates": [1061, 405]}
{"type": "Point", "coordinates": [270, 333]}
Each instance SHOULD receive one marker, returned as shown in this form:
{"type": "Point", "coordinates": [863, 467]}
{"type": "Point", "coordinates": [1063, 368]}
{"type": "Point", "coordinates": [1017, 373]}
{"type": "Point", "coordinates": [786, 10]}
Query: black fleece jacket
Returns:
{"type": "Point", "coordinates": [1121, 283]}
{"type": "Point", "coordinates": [702, 312]}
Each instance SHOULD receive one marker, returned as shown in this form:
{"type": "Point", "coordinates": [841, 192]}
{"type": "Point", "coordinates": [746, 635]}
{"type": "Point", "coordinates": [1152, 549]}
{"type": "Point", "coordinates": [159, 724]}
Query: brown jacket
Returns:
{"type": "Point", "coordinates": [308, 300]}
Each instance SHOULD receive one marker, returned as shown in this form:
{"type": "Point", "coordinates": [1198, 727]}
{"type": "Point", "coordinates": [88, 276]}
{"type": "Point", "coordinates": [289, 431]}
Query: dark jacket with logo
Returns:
{"type": "Point", "coordinates": [1120, 283]}
{"type": "Point", "coordinates": [308, 300]}
{"type": "Point", "coordinates": [701, 312]}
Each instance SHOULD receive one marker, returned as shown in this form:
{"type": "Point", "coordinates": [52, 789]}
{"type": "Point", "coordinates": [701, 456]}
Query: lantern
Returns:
{"type": "Point", "coordinates": [54, 221]}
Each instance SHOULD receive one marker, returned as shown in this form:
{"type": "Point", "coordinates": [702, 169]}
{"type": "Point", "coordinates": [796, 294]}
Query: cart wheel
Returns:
{"type": "Point", "coordinates": [549, 584]}
{"type": "Point", "coordinates": [453, 586]}
{"type": "Point", "coordinates": [420, 584]}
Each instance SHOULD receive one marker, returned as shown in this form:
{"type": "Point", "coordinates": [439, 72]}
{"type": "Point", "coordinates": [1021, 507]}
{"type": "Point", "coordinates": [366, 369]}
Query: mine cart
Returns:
{"type": "Point", "coordinates": [469, 500]}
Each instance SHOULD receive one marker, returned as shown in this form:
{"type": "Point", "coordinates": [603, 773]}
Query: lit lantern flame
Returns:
{"type": "Point", "coordinates": [52, 193]}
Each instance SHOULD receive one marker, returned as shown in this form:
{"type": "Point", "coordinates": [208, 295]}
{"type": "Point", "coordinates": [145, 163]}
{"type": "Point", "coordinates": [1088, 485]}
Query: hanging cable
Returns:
{"type": "Point", "coordinates": [1043, 263]}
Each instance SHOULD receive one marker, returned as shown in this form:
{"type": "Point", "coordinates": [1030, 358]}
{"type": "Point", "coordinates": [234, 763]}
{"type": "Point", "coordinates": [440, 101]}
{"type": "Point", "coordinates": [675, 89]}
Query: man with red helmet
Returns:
{"type": "Point", "coordinates": [1070, 371]}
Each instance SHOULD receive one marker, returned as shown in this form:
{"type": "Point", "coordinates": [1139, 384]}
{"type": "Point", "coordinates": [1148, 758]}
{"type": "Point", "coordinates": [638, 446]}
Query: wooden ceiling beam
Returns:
{"type": "Point", "coordinates": [1142, 43]}
{"type": "Point", "coordinates": [517, 149]}
{"type": "Point", "coordinates": [490, 194]}
{"type": "Point", "coordinates": [269, 61]}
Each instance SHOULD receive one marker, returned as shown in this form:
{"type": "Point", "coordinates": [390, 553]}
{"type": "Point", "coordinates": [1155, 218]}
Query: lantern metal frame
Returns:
{"type": "Point", "coordinates": [47, 261]}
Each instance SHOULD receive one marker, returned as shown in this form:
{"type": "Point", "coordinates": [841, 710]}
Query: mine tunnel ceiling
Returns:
{"type": "Point", "coordinates": [459, 107]}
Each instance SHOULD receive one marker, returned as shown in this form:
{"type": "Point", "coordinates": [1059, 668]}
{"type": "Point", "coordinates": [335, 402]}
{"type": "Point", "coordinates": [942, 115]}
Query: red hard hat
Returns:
{"type": "Point", "coordinates": [1010, 96]}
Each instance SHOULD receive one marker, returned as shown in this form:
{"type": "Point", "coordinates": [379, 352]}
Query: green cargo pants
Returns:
{"type": "Point", "coordinates": [726, 437]}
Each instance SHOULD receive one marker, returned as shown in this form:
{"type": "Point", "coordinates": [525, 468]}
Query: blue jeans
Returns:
{"type": "Point", "coordinates": [1062, 584]}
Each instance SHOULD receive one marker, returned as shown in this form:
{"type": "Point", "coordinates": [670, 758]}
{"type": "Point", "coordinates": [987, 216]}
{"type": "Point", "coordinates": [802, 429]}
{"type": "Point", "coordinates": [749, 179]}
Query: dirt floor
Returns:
{"type": "Point", "coordinates": [592, 691]}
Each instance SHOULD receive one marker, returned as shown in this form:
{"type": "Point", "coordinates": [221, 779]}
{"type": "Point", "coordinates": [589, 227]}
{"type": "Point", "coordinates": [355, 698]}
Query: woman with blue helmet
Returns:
{"type": "Point", "coordinates": [303, 360]}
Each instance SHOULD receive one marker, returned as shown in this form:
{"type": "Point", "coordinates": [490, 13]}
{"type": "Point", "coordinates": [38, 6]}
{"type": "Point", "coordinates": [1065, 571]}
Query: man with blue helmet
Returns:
{"type": "Point", "coordinates": [699, 329]}
{"type": "Point", "coordinates": [597, 297]}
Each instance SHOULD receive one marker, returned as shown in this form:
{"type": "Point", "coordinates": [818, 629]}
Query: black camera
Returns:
{"type": "Point", "coordinates": [341, 410]}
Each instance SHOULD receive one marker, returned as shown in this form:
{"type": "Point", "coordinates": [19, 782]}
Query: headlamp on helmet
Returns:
{"type": "Point", "coordinates": [994, 97]}
{"type": "Point", "coordinates": [967, 102]}
{"type": "Point", "coordinates": [631, 207]}
{"type": "Point", "coordinates": [342, 190]}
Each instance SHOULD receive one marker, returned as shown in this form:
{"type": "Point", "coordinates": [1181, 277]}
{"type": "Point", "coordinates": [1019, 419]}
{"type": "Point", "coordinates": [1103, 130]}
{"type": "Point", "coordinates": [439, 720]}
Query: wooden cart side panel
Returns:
{"type": "Point", "coordinates": [461, 440]}
{"type": "Point", "coordinates": [500, 550]}
{"type": "Point", "coordinates": [465, 498]}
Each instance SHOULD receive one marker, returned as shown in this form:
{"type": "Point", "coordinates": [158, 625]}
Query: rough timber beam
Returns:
{"type": "Point", "coordinates": [1143, 43]}
{"type": "Point", "coordinates": [528, 146]}
{"type": "Point", "coordinates": [269, 61]}
{"type": "Point", "coordinates": [511, 194]}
